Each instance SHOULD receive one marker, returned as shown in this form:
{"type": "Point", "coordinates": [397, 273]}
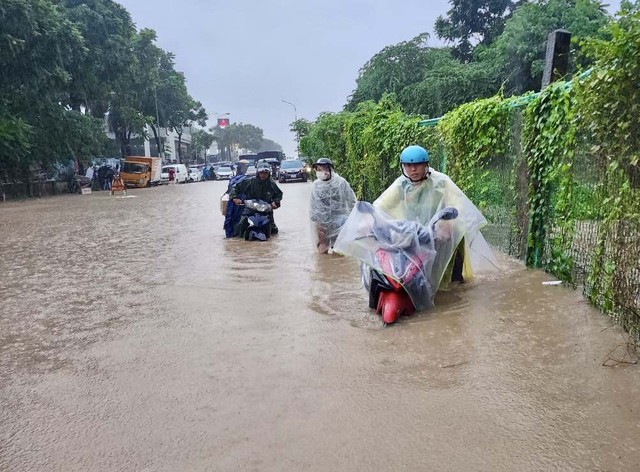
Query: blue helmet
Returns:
{"type": "Point", "coordinates": [414, 155]}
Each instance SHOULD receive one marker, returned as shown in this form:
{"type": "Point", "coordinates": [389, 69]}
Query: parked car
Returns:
{"type": "Point", "coordinates": [292, 169]}
{"type": "Point", "coordinates": [181, 173]}
{"type": "Point", "coordinates": [195, 174]}
{"type": "Point", "coordinates": [224, 173]}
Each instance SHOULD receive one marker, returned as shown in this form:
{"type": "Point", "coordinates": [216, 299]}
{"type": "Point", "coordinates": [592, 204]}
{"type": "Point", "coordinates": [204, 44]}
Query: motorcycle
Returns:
{"type": "Point", "coordinates": [256, 220]}
{"type": "Point", "coordinates": [397, 258]}
{"type": "Point", "coordinates": [78, 182]}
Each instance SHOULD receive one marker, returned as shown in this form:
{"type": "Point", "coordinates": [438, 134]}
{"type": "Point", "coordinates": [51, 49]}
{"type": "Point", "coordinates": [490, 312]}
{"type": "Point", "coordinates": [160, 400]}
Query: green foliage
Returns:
{"type": "Point", "coordinates": [128, 115]}
{"type": "Point", "coordinates": [449, 84]}
{"type": "Point", "coordinates": [39, 48]}
{"type": "Point", "coordinates": [243, 135]}
{"type": "Point", "coordinates": [519, 52]}
{"type": "Point", "coordinates": [475, 139]}
{"type": "Point", "coordinates": [269, 145]}
{"type": "Point", "coordinates": [201, 140]}
{"type": "Point", "coordinates": [365, 144]}
{"type": "Point", "coordinates": [495, 48]}
{"type": "Point", "coordinates": [473, 21]}
{"type": "Point", "coordinates": [107, 31]}
{"type": "Point", "coordinates": [549, 145]}
{"type": "Point", "coordinates": [63, 65]}
{"type": "Point", "coordinates": [15, 143]}
{"type": "Point", "coordinates": [301, 127]}
{"type": "Point", "coordinates": [609, 100]}
{"type": "Point", "coordinates": [325, 137]}
{"type": "Point", "coordinates": [391, 70]}
{"type": "Point", "coordinates": [426, 80]}
{"type": "Point", "coordinates": [573, 167]}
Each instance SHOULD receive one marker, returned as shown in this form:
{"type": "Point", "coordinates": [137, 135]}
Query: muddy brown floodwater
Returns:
{"type": "Point", "coordinates": [134, 337]}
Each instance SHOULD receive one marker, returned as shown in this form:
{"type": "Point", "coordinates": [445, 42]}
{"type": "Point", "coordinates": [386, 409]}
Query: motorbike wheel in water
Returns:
{"type": "Point", "coordinates": [388, 298]}
{"type": "Point", "coordinates": [391, 305]}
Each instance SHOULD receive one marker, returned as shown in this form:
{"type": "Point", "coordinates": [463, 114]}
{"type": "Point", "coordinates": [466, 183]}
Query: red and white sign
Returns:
{"type": "Point", "coordinates": [223, 123]}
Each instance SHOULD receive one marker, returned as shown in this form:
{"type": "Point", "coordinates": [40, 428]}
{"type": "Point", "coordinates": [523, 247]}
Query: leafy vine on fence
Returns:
{"type": "Point", "coordinates": [475, 137]}
{"type": "Point", "coordinates": [549, 146]}
{"type": "Point", "coordinates": [608, 105]}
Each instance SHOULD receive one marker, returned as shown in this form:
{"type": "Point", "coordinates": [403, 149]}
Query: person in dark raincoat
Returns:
{"type": "Point", "coordinates": [233, 212]}
{"type": "Point", "coordinates": [260, 187]}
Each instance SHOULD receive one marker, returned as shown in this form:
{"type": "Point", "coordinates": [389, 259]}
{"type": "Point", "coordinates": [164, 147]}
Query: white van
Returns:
{"type": "Point", "coordinates": [181, 173]}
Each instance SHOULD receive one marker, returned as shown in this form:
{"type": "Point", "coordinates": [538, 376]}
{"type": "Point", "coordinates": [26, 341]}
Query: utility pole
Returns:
{"type": "Point", "coordinates": [160, 146]}
{"type": "Point", "coordinates": [295, 122]}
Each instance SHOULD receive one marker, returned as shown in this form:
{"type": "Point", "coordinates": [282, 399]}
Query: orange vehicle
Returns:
{"type": "Point", "coordinates": [140, 171]}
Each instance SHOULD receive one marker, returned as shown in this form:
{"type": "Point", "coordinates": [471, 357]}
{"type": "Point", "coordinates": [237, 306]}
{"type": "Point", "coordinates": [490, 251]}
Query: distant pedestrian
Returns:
{"type": "Point", "coordinates": [95, 182]}
{"type": "Point", "coordinates": [172, 176]}
{"type": "Point", "coordinates": [108, 179]}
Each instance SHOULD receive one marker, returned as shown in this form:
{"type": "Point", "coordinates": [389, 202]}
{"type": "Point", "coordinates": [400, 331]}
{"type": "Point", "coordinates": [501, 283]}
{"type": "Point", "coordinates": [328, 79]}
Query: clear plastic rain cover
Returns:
{"type": "Point", "coordinates": [330, 205]}
{"type": "Point", "coordinates": [411, 233]}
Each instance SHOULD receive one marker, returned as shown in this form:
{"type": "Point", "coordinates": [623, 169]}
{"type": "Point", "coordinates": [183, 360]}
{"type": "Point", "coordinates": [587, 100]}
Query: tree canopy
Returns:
{"type": "Point", "coordinates": [243, 135]}
{"type": "Point", "coordinates": [498, 45]}
{"type": "Point", "coordinates": [65, 65]}
{"type": "Point", "coordinates": [471, 22]}
{"type": "Point", "coordinates": [520, 50]}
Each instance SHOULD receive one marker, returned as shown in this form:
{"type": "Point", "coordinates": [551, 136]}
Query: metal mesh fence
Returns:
{"type": "Point", "coordinates": [604, 258]}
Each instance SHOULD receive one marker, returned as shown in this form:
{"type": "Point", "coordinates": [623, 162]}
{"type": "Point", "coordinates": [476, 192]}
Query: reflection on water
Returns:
{"type": "Point", "coordinates": [133, 336]}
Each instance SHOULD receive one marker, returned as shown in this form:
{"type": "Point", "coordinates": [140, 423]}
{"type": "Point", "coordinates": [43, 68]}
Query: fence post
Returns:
{"type": "Point", "coordinates": [556, 61]}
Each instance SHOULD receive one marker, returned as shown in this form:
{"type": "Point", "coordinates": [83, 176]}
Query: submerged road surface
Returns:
{"type": "Point", "coordinates": [134, 337]}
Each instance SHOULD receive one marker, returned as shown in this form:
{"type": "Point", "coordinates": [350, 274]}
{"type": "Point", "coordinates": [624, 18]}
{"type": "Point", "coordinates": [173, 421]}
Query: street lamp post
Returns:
{"type": "Point", "coordinates": [295, 123]}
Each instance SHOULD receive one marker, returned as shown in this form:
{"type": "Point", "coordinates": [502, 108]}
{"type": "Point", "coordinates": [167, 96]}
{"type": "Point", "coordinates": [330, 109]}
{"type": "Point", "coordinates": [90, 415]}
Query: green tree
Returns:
{"type": "Point", "coordinates": [300, 128]}
{"type": "Point", "coordinates": [38, 48]}
{"type": "Point", "coordinates": [325, 137]}
{"type": "Point", "coordinates": [391, 70]}
{"type": "Point", "coordinates": [187, 113]}
{"type": "Point", "coordinates": [168, 93]}
{"type": "Point", "coordinates": [520, 50]}
{"type": "Point", "coordinates": [427, 81]}
{"type": "Point", "coordinates": [629, 6]}
{"type": "Point", "coordinates": [471, 22]}
{"type": "Point", "coordinates": [201, 141]}
{"type": "Point", "coordinates": [128, 115]}
{"type": "Point", "coordinates": [108, 32]}
{"type": "Point", "coordinates": [242, 135]}
{"type": "Point", "coordinates": [448, 84]}
{"type": "Point", "coordinates": [269, 145]}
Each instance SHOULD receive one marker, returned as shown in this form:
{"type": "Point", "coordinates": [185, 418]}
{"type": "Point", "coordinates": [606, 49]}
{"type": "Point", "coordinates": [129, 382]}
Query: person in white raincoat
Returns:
{"type": "Point", "coordinates": [416, 196]}
{"type": "Point", "coordinates": [331, 202]}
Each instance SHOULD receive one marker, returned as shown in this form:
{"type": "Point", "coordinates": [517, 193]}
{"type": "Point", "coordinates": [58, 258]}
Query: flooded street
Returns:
{"type": "Point", "coordinates": [134, 337]}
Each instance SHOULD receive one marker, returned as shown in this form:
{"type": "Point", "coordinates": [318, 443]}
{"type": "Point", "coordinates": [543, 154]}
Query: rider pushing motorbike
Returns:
{"type": "Point", "coordinates": [260, 187]}
{"type": "Point", "coordinates": [417, 196]}
{"type": "Point", "coordinates": [421, 233]}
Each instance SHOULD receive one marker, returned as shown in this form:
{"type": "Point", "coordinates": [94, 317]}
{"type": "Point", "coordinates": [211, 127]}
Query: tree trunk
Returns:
{"type": "Point", "coordinates": [128, 144]}
{"type": "Point", "coordinates": [179, 150]}
{"type": "Point", "coordinates": [121, 138]}
{"type": "Point", "coordinates": [156, 135]}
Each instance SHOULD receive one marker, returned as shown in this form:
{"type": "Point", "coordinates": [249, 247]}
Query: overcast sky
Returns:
{"type": "Point", "coordinates": [245, 56]}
